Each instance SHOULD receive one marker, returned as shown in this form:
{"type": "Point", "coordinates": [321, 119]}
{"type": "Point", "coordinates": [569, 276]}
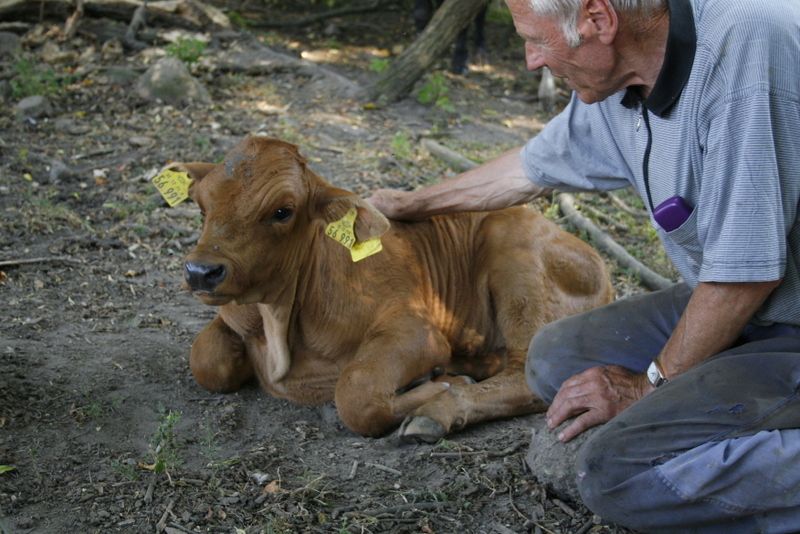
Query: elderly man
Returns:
{"type": "Point", "coordinates": [696, 104]}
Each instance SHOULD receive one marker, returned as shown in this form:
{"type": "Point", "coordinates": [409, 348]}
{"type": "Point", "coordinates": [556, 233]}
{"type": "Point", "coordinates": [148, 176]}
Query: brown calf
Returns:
{"type": "Point", "coordinates": [391, 338]}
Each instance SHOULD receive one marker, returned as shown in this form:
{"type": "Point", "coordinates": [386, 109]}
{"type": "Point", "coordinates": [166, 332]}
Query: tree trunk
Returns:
{"type": "Point", "coordinates": [452, 17]}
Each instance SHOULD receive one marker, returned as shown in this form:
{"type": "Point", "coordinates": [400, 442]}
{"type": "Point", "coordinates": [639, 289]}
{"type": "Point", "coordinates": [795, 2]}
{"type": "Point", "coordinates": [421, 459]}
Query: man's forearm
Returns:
{"type": "Point", "coordinates": [496, 184]}
{"type": "Point", "coordinates": [714, 318]}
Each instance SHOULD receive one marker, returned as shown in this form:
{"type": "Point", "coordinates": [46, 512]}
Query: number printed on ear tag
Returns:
{"type": "Point", "coordinates": [342, 232]}
{"type": "Point", "coordinates": [173, 186]}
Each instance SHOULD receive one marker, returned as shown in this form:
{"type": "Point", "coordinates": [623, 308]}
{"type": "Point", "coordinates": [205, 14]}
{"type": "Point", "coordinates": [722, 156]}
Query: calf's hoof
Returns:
{"type": "Point", "coordinates": [421, 428]}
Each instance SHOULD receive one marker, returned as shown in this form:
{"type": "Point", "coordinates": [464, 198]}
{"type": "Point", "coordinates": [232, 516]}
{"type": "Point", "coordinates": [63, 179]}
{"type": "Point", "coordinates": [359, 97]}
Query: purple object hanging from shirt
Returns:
{"type": "Point", "coordinates": [672, 213]}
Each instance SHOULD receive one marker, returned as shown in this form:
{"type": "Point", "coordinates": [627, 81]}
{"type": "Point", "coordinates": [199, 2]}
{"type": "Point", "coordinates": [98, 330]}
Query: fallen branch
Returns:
{"type": "Point", "coordinates": [383, 468]}
{"type": "Point", "coordinates": [162, 523]}
{"type": "Point", "coordinates": [451, 157]}
{"type": "Point", "coordinates": [137, 23]}
{"type": "Point", "coordinates": [612, 223]}
{"type": "Point", "coordinates": [490, 454]}
{"type": "Point", "coordinates": [304, 21]}
{"type": "Point", "coordinates": [523, 516]}
{"type": "Point", "coordinates": [564, 506]}
{"type": "Point", "coordinates": [624, 206]}
{"type": "Point", "coordinates": [604, 242]}
{"type": "Point", "coordinates": [7, 263]}
{"type": "Point", "coordinates": [394, 509]}
{"type": "Point", "coordinates": [193, 14]}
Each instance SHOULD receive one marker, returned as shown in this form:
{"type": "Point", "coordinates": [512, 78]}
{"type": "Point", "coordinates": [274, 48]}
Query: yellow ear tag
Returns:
{"type": "Point", "coordinates": [173, 186]}
{"type": "Point", "coordinates": [342, 231]}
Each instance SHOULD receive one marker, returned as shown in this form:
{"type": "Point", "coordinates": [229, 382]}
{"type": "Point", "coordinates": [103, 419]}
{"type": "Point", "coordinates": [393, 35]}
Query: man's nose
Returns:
{"type": "Point", "coordinates": [533, 57]}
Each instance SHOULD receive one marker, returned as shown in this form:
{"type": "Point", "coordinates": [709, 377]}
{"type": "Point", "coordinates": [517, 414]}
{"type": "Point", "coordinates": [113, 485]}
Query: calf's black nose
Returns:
{"type": "Point", "coordinates": [201, 276]}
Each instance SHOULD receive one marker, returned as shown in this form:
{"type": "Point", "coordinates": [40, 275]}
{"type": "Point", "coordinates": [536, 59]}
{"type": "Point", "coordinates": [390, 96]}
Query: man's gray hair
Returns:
{"type": "Point", "coordinates": [566, 13]}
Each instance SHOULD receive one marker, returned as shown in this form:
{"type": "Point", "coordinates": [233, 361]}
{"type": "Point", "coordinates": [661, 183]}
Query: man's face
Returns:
{"type": "Point", "coordinates": [587, 68]}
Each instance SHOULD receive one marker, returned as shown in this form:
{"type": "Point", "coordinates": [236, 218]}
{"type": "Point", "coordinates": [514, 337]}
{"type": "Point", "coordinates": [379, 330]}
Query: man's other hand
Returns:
{"type": "Point", "coordinates": [596, 396]}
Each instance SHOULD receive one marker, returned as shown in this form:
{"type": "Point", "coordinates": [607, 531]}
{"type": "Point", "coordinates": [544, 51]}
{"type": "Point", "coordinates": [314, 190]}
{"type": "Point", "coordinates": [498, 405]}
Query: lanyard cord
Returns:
{"type": "Point", "coordinates": [646, 162]}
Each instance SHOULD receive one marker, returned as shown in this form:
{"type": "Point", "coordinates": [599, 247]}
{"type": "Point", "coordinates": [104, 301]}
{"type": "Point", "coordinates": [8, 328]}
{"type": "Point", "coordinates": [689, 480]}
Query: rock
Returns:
{"type": "Point", "coordinates": [9, 43]}
{"type": "Point", "coordinates": [553, 462]}
{"type": "Point", "coordinates": [70, 126]}
{"type": "Point", "coordinates": [59, 172]}
{"type": "Point", "coordinates": [170, 81]}
{"type": "Point", "coordinates": [6, 91]}
{"type": "Point", "coordinates": [52, 53]}
{"type": "Point", "coordinates": [33, 107]}
{"type": "Point", "coordinates": [120, 76]}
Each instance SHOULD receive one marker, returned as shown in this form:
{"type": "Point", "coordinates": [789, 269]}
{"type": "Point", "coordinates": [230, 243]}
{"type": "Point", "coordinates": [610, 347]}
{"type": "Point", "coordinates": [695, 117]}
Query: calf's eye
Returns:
{"type": "Point", "coordinates": [283, 214]}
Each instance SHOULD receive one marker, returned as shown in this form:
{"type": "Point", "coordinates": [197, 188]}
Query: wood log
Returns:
{"type": "Point", "coordinates": [604, 242]}
{"type": "Point", "coordinates": [190, 14]}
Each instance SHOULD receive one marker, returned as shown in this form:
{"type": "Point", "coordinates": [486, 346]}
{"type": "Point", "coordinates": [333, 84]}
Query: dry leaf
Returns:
{"type": "Point", "coordinates": [272, 488]}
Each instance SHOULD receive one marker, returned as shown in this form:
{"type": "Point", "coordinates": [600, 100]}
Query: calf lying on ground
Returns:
{"type": "Point", "coordinates": [393, 337]}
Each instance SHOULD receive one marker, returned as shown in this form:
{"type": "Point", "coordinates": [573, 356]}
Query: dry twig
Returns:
{"type": "Point", "coordinates": [625, 207]}
{"type": "Point", "coordinates": [305, 21]}
{"type": "Point", "coordinates": [491, 454]}
{"type": "Point", "coordinates": [7, 263]}
{"type": "Point", "coordinates": [374, 512]}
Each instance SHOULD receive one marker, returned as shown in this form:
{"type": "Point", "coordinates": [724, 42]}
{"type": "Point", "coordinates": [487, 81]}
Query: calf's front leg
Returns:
{"type": "Point", "coordinates": [371, 395]}
{"type": "Point", "coordinates": [219, 360]}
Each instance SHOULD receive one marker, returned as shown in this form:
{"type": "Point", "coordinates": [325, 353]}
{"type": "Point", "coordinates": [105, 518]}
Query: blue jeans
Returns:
{"type": "Point", "coordinates": [717, 449]}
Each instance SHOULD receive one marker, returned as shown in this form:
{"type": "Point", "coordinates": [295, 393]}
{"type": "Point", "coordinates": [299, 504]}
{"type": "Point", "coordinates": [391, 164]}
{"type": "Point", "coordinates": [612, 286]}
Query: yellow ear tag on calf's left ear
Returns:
{"type": "Point", "coordinates": [342, 232]}
{"type": "Point", "coordinates": [173, 186]}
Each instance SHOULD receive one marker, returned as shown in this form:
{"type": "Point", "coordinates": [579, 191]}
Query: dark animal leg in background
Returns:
{"type": "Point", "coordinates": [423, 11]}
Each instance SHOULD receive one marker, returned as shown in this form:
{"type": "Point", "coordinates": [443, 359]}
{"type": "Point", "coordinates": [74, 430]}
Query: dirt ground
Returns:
{"type": "Point", "coordinates": [101, 424]}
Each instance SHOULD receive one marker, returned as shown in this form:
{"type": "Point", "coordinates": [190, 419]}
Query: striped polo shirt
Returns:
{"type": "Point", "coordinates": [721, 129]}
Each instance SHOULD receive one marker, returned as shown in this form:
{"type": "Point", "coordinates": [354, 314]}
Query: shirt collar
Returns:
{"type": "Point", "coordinates": [678, 60]}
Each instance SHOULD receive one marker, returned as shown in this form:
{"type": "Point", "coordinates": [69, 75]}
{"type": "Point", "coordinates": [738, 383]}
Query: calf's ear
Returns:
{"type": "Point", "coordinates": [196, 170]}
{"type": "Point", "coordinates": [334, 203]}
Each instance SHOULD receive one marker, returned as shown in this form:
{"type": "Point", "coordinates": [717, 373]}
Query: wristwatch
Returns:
{"type": "Point", "coordinates": [655, 375]}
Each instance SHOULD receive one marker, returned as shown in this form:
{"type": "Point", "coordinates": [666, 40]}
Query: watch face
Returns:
{"type": "Point", "coordinates": [652, 374]}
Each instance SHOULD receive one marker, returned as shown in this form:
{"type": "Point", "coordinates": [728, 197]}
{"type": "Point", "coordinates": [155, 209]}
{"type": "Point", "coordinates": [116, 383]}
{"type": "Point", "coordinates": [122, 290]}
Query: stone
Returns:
{"type": "Point", "coordinates": [171, 82]}
{"type": "Point", "coordinates": [9, 43]}
{"type": "Point", "coordinates": [6, 91]}
{"type": "Point", "coordinates": [52, 53]}
{"type": "Point", "coordinates": [553, 462]}
{"type": "Point", "coordinates": [33, 107]}
{"type": "Point", "coordinates": [59, 172]}
{"type": "Point", "coordinates": [121, 76]}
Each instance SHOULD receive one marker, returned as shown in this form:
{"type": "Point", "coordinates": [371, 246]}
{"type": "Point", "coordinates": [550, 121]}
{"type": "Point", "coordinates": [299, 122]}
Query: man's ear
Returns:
{"type": "Point", "coordinates": [334, 203]}
{"type": "Point", "coordinates": [598, 18]}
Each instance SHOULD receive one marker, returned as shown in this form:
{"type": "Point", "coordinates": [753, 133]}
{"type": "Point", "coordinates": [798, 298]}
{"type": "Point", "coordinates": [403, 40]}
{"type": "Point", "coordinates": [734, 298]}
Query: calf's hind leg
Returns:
{"type": "Point", "coordinates": [219, 359]}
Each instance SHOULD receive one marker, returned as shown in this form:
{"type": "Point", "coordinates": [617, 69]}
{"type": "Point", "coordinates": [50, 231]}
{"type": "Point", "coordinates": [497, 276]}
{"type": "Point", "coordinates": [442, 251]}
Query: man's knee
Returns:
{"type": "Point", "coordinates": [549, 352]}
